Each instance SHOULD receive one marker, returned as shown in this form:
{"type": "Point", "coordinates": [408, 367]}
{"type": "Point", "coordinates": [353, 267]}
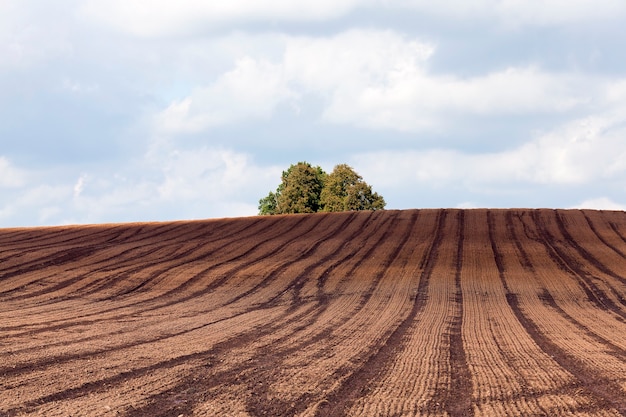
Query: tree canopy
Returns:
{"type": "Point", "coordinates": [308, 189]}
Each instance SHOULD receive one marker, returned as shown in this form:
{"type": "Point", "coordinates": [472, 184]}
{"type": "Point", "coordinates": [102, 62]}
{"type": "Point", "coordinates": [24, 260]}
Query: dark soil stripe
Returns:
{"type": "Point", "coordinates": [570, 265]}
{"type": "Point", "coordinates": [356, 385]}
{"type": "Point", "coordinates": [601, 238]}
{"type": "Point", "coordinates": [611, 348]}
{"type": "Point", "coordinates": [56, 360]}
{"type": "Point", "coordinates": [459, 401]}
{"type": "Point", "coordinates": [583, 252]}
{"type": "Point", "coordinates": [606, 392]}
{"type": "Point", "coordinates": [259, 373]}
{"type": "Point", "coordinates": [167, 297]}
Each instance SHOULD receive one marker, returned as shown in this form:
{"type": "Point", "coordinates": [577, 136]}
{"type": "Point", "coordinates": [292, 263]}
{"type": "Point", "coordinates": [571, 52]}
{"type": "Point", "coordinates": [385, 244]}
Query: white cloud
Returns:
{"type": "Point", "coordinates": [209, 175]}
{"type": "Point", "coordinates": [249, 91]}
{"type": "Point", "coordinates": [150, 18]}
{"type": "Point", "coordinates": [10, 176]}
{"type": "Point", "coordinates": [414, 99]}
{"type": "Point", "coordinates": [370, 79]}
{"type": "Point", "coordinates": [31, 33]}
{"type": "Point", "coordinates": [601, 203]}
{"type": "Point", "coordinates": [159, 17]}
{"type": "Point", "coordinates": [167, 183]}
{"type": "Point", "coordinates": [520, 12]}
{"type": "Point", "coordinates": [172, 183]}
{"type": "Point", "coordinates": [466, 205]}
{"type": "Point", "coordinates": [79, 186]}
{"type": "Point", "coordinates": [580, 152]}
{"type": "Point", "coordinates": [42, 202]}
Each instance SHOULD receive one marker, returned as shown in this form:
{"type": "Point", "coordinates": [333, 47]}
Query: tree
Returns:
{"type": "Point", "coordinates": [267, 205]}
{"type": "Point", "coordinates": [298, 192]}
{"type": "Point", "coordinates": [308, 189]}
{"type": "Point", "coordinates": [345, 190]}
{"type": "Point", "coordinates": [301, 189]}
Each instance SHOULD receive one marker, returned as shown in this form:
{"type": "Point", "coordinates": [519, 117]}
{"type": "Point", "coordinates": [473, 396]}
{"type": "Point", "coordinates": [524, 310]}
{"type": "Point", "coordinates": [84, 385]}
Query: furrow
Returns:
{"type": "Point", "coordinates": [358, 382]}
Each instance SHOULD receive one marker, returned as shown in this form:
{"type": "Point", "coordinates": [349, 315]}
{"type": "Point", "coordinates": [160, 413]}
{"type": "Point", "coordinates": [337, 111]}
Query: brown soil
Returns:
{"type": "Point", "coordinates": [392, 313]}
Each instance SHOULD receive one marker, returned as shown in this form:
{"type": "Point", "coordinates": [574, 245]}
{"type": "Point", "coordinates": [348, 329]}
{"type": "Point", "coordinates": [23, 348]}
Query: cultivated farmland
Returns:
{"type": "Point", "coordinates": [386, 313]}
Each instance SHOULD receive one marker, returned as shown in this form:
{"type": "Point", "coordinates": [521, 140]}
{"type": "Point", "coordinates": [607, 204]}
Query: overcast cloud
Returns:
{"type": "Point", "coordinates": [137, 110]}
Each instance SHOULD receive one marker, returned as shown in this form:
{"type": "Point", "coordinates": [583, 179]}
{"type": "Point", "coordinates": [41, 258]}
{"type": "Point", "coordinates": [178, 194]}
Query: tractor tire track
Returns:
{"type": "Point", "coordinates": [571, 266]}
{"type": "Point", "coordinates": [459, 400]}
{"type": "Point", "coordinates": [606, 392]}
{"type": "Point", "coordinates": [337, 403]}
{"type": "Point", "coordinates": [203, 313]}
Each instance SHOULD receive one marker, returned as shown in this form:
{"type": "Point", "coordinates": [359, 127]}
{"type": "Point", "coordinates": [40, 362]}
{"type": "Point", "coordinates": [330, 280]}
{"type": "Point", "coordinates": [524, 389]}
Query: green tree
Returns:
{"type": "Point", "coordinates": [345, 190]}
{"type": "Point", "coordinates": [267, 205]}
{"type": "Point", "coordinates": [299, 191]}
{"type": "Point", "coordinates": [308, 189]}
{"type": "Point", "coordinates": [361, 197]}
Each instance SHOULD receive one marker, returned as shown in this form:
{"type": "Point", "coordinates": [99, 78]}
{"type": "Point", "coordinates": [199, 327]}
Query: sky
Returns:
{"type": "Point", "coordinates": [150, 110]}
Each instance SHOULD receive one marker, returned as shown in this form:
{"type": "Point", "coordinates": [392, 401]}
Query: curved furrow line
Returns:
{"type": "Point", "coordinates": [134, 305]}
{"type": "Point", "coordinates": [306, 253]}
{"type": "Point", "coordinates": [298, 402]}
{"type": "Point", "coordinates": [593, 325]}
{"type": "Point", "coordinates": [135, 312]}
{"type": "Point", "coordinates": [271, 330]}
{"type": "Point", "coordinates": [171, 297]}
{"type": "Point", "coordinates": [605, 391]}
{"type": "Point", "coordinates": [93, 247]}
{"type": "Point", "coordinates": [56, 360]}
{"type": "Point", "coordinates": [111, 372]}
{"type": "Point", "coordinates": [59, 289]}
{"type": "Point", "coordinates": [615, 227]}
{"type": "Point", "coordinates": [183, 233]}
{"type": "Point", "coordinates": [56, 258]}
{"type": "Point", "coordinates": [191, 253]}
{"type": "Point", "coordinates": [52, 237]}
{"type": "Point", "coordinates": [619, 294]}
{"type": "Point", "coordinates": [571, 266]}
{"type": "Point", "coordinates": [322, 318]}
{"type": "Point", "coordinates": [260, 402]}
{"type": "Point", "coordinates": [611, 348]}
{"type": "Point", "coordinates": [258, 372]}
{"type": "Point", "coordinates": [541, 376]}
{"type": "Point", "coordinates": [283, 242]}
{"type": "Point", "coordinates": [502, 359]}
{"type": "Point", "coordinates": [600, 236]}
{"type": "Point", "coordinates": [251, 373]}
{"type": "Point", "coordinates": [417, 381]}
{"type": "Point", "coordinates": [146, 261]}
{"type": "Point", "coordinates": [459, 400]}
{"type": "Point", "coordinates": [79, 318]}
{"type": "Point", "coordinates": [203, 246]}
{"type": "Point", "coordinates": [95, 236]}
{"type": "Point", "coordinates": [521, 252]}
{"type": "Point", "coordinates": [354, 382]}
{"type": "Point", "coordinates": [566, 288]}
{"type": "Point", "coordinates": [106, 383]}
{"type": "Point", "coordinates": [585, 253]}
{"type": "Point", "coordinates": [296, 285]}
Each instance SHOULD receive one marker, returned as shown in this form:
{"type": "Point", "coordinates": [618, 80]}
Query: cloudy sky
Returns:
{"type": "Point", "coordinates": [142, 110]}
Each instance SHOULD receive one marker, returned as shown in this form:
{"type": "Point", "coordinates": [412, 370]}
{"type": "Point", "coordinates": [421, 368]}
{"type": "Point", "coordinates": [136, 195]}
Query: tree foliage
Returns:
{"type": "Point", "coordinates": [345, 190]}
{"type": "Point", "coordinates": [300, 189]}
{"type": "Point", "coordinates": [308, 189]}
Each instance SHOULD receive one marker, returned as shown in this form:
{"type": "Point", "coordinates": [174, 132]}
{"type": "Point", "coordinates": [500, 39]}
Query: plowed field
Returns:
{"type": "Point", "coordinates": [389, 313]}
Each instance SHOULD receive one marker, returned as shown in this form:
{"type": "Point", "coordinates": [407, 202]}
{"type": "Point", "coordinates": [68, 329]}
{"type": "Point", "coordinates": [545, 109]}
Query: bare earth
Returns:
{"type": "Point", "coordinates": [393, 313]}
